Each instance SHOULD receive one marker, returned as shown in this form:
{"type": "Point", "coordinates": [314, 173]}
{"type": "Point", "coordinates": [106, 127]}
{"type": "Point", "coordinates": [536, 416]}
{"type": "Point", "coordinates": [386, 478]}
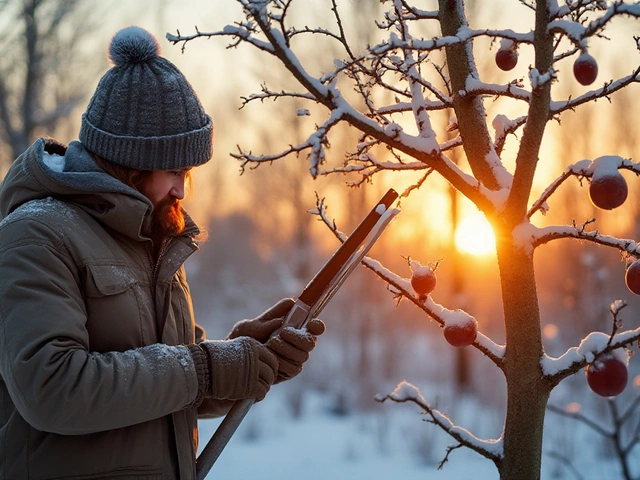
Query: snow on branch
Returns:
{"type": "Point", "coordinates": [571, 19]}
{"type": "Point", "coordinates": [368, 165]}
{"type": "Point", "coordinates": [617, 8]}
{"type": "Point", "coordinates": [265, 29]}
{"type": "Point", "coordinates": [607, 89]}
{"type": "Point", "coordinates": [268, 94]}
{"type": "Point", "coordinates": [401, 288]}
{"type": "Point", "coordinates": [462, 36]}
{"type": "Point", "coordinates": [407, 392]}
{"type": "Point", "coordinates": [414, 13]}
{"type": "Point", "coordinates": [528, 237]}
{"type": "Point", "coordinates": [593, 346]}
{"type": "Point", "coordinates": [315, 143]}
{"type": "Point", "coordinates": [582, 169]}
{"type": "Point", "coordinates": [242, 32]}
{"type": "Point", "coordinates": [503, 127]}
{"type": "Point", "coordinates": [413, 76]}
{"type": "Point", "coordinates": [512, 89]}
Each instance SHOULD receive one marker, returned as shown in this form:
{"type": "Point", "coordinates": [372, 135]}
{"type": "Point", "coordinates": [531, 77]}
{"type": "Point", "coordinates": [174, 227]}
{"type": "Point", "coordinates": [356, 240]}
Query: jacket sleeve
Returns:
{"type": "Point", "coordinates": [214, 408]}
{"type": "Point", "coordinates": [56, 383]}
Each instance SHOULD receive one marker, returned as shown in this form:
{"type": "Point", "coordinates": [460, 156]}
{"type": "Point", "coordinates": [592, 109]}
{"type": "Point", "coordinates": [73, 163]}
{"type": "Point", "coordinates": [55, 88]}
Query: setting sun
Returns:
{"type": "Point", "coordinates": [475, 236]}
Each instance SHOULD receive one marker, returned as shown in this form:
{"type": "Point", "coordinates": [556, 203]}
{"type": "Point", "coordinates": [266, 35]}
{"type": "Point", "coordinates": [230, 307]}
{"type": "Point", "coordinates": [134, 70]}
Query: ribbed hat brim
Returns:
{"type": "Point", "coordinates": [169, 152]}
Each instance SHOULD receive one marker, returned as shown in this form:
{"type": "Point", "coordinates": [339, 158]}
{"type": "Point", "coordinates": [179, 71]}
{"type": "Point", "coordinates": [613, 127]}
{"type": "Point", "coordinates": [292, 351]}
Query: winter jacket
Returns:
{"type": "Point", "coordinates": [95, 382]}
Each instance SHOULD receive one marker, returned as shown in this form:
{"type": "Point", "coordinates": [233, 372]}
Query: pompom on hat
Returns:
{"type": "Point", "coordinates": [144, 114]}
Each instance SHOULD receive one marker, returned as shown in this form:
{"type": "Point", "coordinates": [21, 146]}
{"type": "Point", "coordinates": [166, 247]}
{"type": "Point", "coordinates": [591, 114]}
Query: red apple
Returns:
{"type": "Point", "coordinates": [461, 335]}
{"type": "Point", "coordinates": [607, 376]}
{"type": "Point", "coordinates": [608, 191]}
{"type": "Point", "coordinates": [585, 69]}
{"type": "Point", "coordinates": [506, 59]}
{"type": "Point", "coordinates": [423, 279]}
{"type": "Point", "coordinates": [632, 277]}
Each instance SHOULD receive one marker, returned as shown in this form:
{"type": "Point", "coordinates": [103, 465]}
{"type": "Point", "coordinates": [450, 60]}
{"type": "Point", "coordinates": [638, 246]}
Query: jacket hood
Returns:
{"type": "Point", "coordinates": [49, 169]}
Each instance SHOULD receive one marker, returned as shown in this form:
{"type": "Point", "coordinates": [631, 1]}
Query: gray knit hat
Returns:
{"type": "Point", "coordinates": [144, 114]}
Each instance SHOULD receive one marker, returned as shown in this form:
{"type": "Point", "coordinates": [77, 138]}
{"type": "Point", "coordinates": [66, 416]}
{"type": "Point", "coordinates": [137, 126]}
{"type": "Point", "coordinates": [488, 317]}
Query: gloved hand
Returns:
{"type": "Point", "coordinates": [234, 369]}
{"type": "Point", "coordinates": [292, 346]}
{"type": "Point", "coordinates": [263, 326]}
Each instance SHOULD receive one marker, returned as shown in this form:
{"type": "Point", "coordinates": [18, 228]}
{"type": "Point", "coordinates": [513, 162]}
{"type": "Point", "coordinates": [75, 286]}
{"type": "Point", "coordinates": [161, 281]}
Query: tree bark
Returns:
{"type": "Point", "coordinates": [470, 112]}
{"type": "Point", "coordinates": [527, 392]}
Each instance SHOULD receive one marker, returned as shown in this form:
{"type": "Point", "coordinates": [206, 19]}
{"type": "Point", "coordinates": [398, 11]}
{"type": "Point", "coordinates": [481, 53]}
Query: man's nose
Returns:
{"type": "Point", "coordinates": [177, 190]}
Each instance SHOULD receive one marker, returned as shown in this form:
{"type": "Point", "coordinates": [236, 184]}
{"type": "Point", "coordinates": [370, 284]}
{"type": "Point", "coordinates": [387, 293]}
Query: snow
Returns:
{"type": "Point", "coordinates": [458, 318]}
{"type": "Point", "coordinates": [39, 208]}
{"type": "Point", "coordinates": [407, 391]}
{"type": "Point", "coordinates": [420, 270]}
{"type": "Point", "coordinates": [501, 123]}
{"type": "Point", "coordinates": [605, 166]}
{"type": "Point", "coordinates": [384, 443]}
{"type": "Point", "coordinates": [573, 30]}
{"type": "Point", "coordinates": [381, 209]}
{"type": "Point", "coordinates": [581, 167]}
{"type": "Point", "coordinates": [322, 446]}
{"type": "Point", "coordinates": [537, 79]}
{"type": "Point", "coordinates": [622, 354]}
{"type": "Point", "coordinates": [589, 348]}
{"type": "Point", "coordinates": [506, 44]}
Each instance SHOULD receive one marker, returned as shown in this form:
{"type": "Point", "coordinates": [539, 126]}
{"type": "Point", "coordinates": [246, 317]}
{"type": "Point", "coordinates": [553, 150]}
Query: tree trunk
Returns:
{"type": "Point", "coordinates": [527, 393]}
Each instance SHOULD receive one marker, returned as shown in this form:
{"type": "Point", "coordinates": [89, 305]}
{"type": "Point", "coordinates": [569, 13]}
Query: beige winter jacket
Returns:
{"type": "Point", "coordinates": [94, 384]}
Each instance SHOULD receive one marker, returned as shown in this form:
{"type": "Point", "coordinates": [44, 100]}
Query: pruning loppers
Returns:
{"type": "Point", "coordinates": [308, 305]}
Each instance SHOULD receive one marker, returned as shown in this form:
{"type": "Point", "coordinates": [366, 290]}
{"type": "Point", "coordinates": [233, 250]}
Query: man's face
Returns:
{"type": "Point", "coordinates": [163, 186]}
{"type": "Point", "coordinates": [165, 189]}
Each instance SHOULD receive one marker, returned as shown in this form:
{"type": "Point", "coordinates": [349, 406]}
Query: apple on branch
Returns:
{"type": "Point", "coordinates": [585, 69]}
{"type": "Point", "coordinates": [423, 278]}
{"type": "Point", "coordinates": [608, 188]}
{"type": "Point", "coordinates": [607, 375]}
{"type": "Point", "coordinates": [632, 277]}
{"type": "Point", "coordinates": [460, 328]}
{"type": "Point", "coordinates": [507, 55]}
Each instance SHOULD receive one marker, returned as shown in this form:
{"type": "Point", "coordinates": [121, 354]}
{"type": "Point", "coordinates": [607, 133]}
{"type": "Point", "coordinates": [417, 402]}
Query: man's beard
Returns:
{"type": "Point", "coordinates": [167, 219]}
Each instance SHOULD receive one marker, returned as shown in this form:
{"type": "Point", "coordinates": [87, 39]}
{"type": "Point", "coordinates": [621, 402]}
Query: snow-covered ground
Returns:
{"type": "Point", "coordinates": [269, 444]}
{"type": "Point", "coordinates": [389, 442]}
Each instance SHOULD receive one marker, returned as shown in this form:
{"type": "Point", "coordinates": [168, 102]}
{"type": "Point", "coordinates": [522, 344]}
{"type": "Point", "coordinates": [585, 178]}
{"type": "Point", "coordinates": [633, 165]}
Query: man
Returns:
{"type": "Point", "coordinates": [103, 371]}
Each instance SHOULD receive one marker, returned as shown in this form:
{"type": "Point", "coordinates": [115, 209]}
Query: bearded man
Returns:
{"type": "Point", "coordinates": [103, 370]}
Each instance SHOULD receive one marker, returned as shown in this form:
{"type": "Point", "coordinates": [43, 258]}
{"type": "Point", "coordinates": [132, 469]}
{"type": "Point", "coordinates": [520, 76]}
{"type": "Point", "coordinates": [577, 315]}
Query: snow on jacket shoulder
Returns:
{"type": "Point", "coordinates": [94, 380]}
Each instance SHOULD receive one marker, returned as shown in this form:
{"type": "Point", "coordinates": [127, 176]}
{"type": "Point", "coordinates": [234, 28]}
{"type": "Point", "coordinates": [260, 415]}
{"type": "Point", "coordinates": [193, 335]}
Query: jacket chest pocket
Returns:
{"type": "Point", "coordinates": [120, 311]}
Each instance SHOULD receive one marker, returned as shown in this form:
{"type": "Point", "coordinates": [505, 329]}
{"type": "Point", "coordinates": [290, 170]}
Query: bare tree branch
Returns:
{"type": "Point", "coordinates": [614, 433]}
{"type": "Point", "coordinates": [490, 449]}
{"type": "Point", "coordinates": [402, 289]}
{"type": "Point", "coordinates": [576, 358]}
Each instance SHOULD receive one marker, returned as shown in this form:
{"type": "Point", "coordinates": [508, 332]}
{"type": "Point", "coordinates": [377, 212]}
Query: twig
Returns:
{"type": "Point", "coordinates": [566, 462]}
{"type": "Point", "coordinates": [401, 288]}
{"type": "Point", "coordinates": [461, 435]}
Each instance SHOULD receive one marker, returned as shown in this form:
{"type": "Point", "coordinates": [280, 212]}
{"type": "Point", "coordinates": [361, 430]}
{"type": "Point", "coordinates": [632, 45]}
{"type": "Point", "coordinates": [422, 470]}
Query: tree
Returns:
{"type": "Point", "coordinates": [621, 429]}
{"type": "Point", "coordinates": [43, 69]}
{"type": "Point", "coordinates": [399, 91]}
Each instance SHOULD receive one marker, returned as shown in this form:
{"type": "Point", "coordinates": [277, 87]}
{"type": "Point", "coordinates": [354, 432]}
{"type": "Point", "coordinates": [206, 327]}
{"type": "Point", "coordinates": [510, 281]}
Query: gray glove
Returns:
{"type": "Point", "coordinates": [263, 326]}
{"type": "Point", "coordinates": [233, 369]}
{"type": "Point", "coordinates": [292, 346]}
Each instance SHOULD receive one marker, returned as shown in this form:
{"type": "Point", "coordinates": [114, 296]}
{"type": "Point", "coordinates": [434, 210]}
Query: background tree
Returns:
{"type": "Point", "coordinates": [620, 428]}
{"type": "Point", "coordinates": [46, 69]}
{"type": "Point", "coordinates": [398, 102]}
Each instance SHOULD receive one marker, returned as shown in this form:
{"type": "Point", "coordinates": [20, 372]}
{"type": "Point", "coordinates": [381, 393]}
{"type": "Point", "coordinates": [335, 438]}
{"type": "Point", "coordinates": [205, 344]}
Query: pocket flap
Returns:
{"type": "Point", "coordinates": [109, 280]}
